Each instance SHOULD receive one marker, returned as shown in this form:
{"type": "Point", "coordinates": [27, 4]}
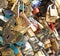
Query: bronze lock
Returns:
{"type": "Point", "coordinates": [54, 43]}
{"type": "Point", "coordinates": [7, 52]}
{"type": "Point", "coordinates": [9, 35]}
{"type": "Point", "coordinates": [47, 43]}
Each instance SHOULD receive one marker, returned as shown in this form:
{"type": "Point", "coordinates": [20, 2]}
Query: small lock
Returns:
{"type": "Point", "coordinates": [53, 10]}
{"type": "Point", "coordinates": [35, 3]}
{"type": "Point", "coordinates": [21, 8]}
{"type": "Point", "coordinates": [8, 13]}
{"type": "Point", "coordinates": [34, 43]}
{"type": "Point", "coordinates": [35, 11]}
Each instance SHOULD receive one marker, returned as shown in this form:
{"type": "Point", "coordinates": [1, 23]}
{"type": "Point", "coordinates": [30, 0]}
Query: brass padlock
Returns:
{"type": "Point", "coordinates": [7, 52]}
{"type": "Point", "coordinates": [47, 44]}
{"type": "Point", "coordinates": [3, 4]}
{"type": "Point", "coordinates": [9, 35]}
{"type": "Point", "coordinates": [54, 43]}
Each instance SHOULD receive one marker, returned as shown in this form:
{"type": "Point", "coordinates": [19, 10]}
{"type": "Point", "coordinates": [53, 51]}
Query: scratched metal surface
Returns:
{"type": "Point", "coordinates": [3, 4]}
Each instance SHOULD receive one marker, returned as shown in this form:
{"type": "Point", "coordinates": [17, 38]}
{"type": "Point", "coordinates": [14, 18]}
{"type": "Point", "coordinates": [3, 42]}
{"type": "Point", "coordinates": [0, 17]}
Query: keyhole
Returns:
{"type": "Point", "coordinates": [7, 36]}
{"type": "Point", "coordinates": [15, 24]}
{"type": "Point", "coordinates": [0, 54]}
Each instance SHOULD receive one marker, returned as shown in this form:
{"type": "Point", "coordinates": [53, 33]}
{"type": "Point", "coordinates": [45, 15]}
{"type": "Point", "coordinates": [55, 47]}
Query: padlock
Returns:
{"type": "Point", "coordinates": [54, 10]}
{"type": "Point", "coordinates": [11, 36]}
{"type": "Point", "coordinates": [34, 22]}
{"type": "Point", "coordinates": [34, 43]}
{"type": "Point", "coordinates": [43, 34]}
{"type": "Point", "coordinates": [7, 52]}
{"type": "Point", "coordinates": [36, 3]}
{"type": "Point", "coordinates": [21, 7]}
{"type": "Point", "coordinates": [8, 13]}
{"type": "Point", "coordinates": [47, 43]}
{"type": "Point", "coordinates": [54, 30]}
{"type": "Point", "coordinates": [36, 10]}
{"type": "Point", "coordinates": [15, 49]}
{"type": "Point", "coordinates": [54, 43]}
{"type": "Point", "coordinates": [27, 51]}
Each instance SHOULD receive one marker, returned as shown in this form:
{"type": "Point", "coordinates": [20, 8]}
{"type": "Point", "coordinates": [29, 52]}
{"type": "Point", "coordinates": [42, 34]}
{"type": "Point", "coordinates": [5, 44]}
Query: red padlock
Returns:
{"type": "Point", "coordinates": [52, 26]}
{"type": "Point", "coordinates": [35, 11]}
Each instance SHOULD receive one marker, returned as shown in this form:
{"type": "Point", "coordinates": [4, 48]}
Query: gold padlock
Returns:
{"type": "Point", "coordinates": [7, 52]}
{"type": "Point", "coordinates": [54, 43]}
{"type": "Point", "coordinates": [47, 44]}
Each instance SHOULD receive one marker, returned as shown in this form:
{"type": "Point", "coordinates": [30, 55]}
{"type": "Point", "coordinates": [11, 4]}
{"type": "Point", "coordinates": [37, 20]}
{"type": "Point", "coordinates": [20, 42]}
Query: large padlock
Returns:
{"type": "Point", "coordinates": [9, 35]}
{"type": "Point", "coordinates": [53, 11]}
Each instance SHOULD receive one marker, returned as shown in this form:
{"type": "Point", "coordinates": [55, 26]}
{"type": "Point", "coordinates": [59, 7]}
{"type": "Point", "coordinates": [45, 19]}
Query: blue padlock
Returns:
{"type": "Point", "coordinates": [22, 41]}
{"type": "Point", "coordinates": [8, 13]}
{"type": "Point", "coordinates": [35, 3]}
{"type": "Point", "coordinates": [21, 7]}
{"type": "Point", "coordinates": [14, 48]}
{"type": "Point", "coordinates": [1, 41]}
